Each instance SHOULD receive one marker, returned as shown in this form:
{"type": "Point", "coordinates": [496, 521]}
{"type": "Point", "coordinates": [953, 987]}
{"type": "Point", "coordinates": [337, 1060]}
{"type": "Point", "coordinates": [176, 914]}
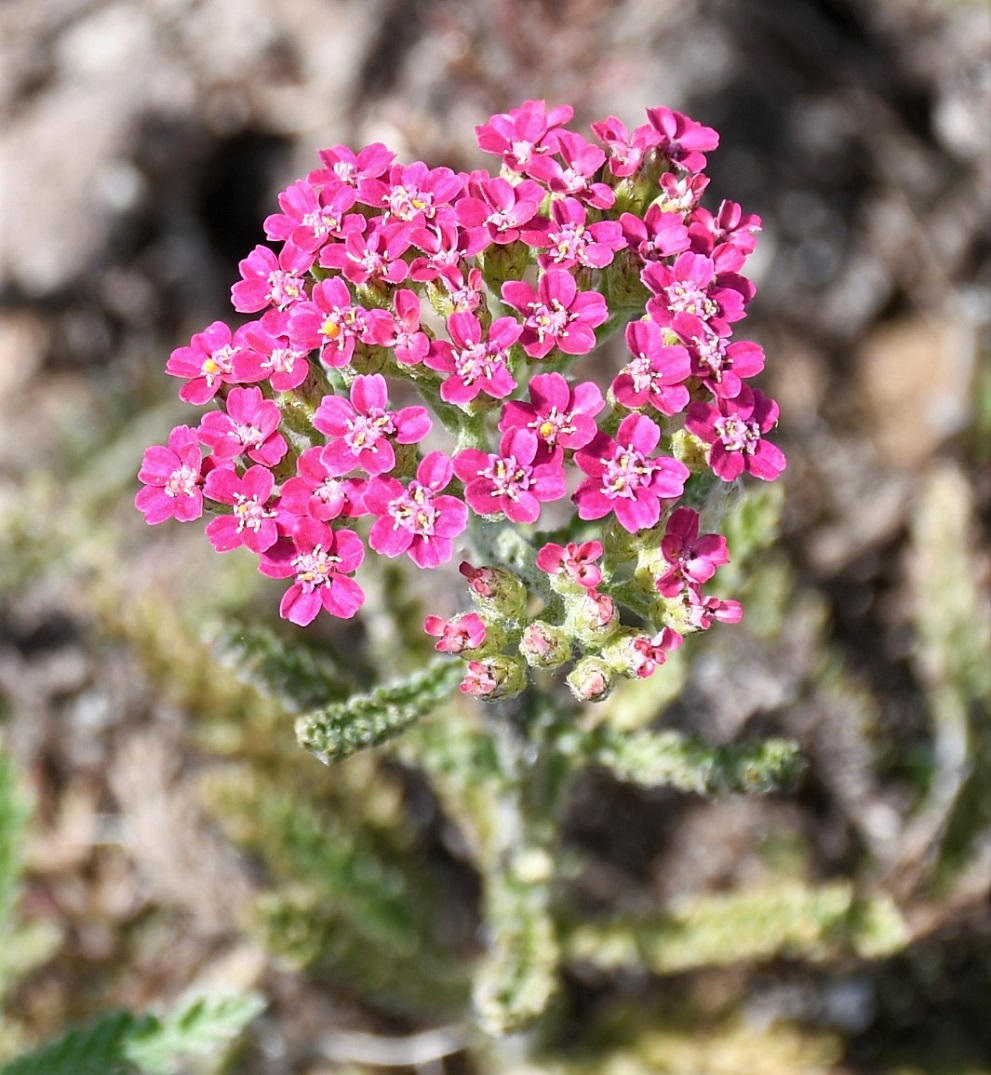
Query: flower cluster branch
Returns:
{"type": "Point", "coordinates": [486, 294]}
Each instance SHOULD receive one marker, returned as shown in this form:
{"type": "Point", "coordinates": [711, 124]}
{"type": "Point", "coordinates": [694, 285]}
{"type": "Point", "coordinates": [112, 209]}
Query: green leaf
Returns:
{"type": "Point", "coordinates": [95, 1049]}
{"type": "Point", "coordinates": [368, 720]}
{"type": "Point", "coordinates": [518, 977]}
{"type": "Point", "coordinates": [201, 1027]}
{"type": "Point", "coordinates": [669, 759]}
{"type": "Point", "coordinates": [288, 671]}
{"type": "Point", "coordinates": [13, 817]}
{"type": "Point", "coordinates": [122, 1043]}
{"type": "Point", "coordinates": [781, 918]}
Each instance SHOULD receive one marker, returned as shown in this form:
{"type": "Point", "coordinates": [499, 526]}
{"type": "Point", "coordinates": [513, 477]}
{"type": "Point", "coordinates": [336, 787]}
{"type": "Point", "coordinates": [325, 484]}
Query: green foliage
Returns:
{"type": "Point", "coordinates": [368, 720]}
{"type": "Point", "coordinates": [122, 1043]}
{"type": "Point", "coordinates": [289, 671]}
{"type": "Point", "coordinates": [492, 798]}
{"type": "Point", "coordinates": [344, 895]}
{"type": "Point", "coordinates": [13, 818]}
{"type": "Point", "coordinates": [304, 932]}
{"type": "Point", "coordinates": [685, 1041]}
{"type": "Point", "coordinates": [518, 976]}
{"type": "Point", "coordinates": [752, 526]}
{"type": "Point", "coordinates": [100, 1048]}
{"type": "Point", "coordinates": [781, 918]}
{"type": "Point", "coordinates": [669, 759]}
{"type": "Point", "coordinates": [953, 625]}
{"type": "Point", "coordinates": [460, 758]}
{"type": "Point", "coordinates": [200, 1027]}
{"type": "Point", "coordinates": [23, 945]}
{"type": "Point", "coordinates": [299, 842]}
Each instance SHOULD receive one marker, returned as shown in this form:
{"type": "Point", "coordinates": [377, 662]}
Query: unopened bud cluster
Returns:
{"type": "Point", "coordinates": [485, 294]}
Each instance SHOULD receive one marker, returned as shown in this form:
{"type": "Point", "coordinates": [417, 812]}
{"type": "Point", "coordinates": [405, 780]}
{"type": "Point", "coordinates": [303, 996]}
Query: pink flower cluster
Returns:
{"type": "Point", "coordinates": [483, 293]}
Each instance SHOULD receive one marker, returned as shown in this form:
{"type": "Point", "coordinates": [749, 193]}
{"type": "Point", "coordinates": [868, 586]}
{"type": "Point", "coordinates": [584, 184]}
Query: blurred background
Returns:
{"type": "Point", "coordinates": [142, 144]}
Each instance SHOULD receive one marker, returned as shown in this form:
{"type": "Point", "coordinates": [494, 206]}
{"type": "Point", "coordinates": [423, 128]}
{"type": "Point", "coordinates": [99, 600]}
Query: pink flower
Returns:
{"type": "Point", "coordinates": [694, 286]}
{"type": "Point", "coordinates": [484, 581]}
{"type": "Point", "coordinates": [207, 362]}
{"type": "Point", "coordinates": [502, 212]}
{"type": "Point", "coordinates": [692, 559]}
{"type": "Point", "coordinates": [658, 235]}
{"type": "Point", "coordinates": [446, 247]}
{"type": "Point", "coordinates": [248, 425]}
{"type": "Point", "coordinates": [267, 280]}
{"type": "Point", "coordinates": [680, 192]}
{"type": "Point", "coordinates": [572, 561]}
{"type": "Point", "coordinates": [414, 519]}
{"type": "Point", "coordinates": [656, 373]}
{"type": "Point", "coordinates": [523, 133]}
{"type": "Point", "coordinates": [729, 225]}
{"type": "Point", "coordinates": [623, 479]}
{"type": "Point", "coordinates": [252, 523]}
{"type": "Point", "coordinates": [510, 481]}
{"type": "Point", "coordinates": [701, 610]}
{"type": "Point", "coordinates": [173, 479]}
{"type": "Point", "coordinates": [361, 430]}
{"type": "Point", "coordinates": [342, 165]}
{"type": "Point", "coordinates": [462, 633]}
{"type": "Point", "coordinates": [480, 680]}
{"type": "Point", "coordinates": [649, 653]}
{"type": "Point", "coordinates": [334, 323]}
{"type": "Point", "coordinates": [594, 616]}
{"type": "Point", "coordinates": [561, 415]}
{"type": "Point", "coordinates": [718, 364]}
{"type": "Point", "coordinates": [319, 492]}
{"type": "Point", "coordinates": [363, 239]}
{"type": "Point", "coordinates": [626, 151]}
{"type": "Point", "coordinates": [475, 365]}
{"type": "Point", "coordinates": [465, 294]}
{"type": "Point", "coordinates": [368, 253]}
{"type": "Point", "coordinates": [266, 354]}
{"type": "Point", "coordinates": [735, 428]}
{"type": "Point", "coordinates": [682, 140]}
{"type": "Point", "coordinates": [407, 339]}
{"type": "Point", "coordinates": [556, 314]}
{"type": "Point", "coordinates": [574, 177]}
{"type": "Point", "coordinates": [545, 645]}
{"type": "Point", "coordinates": [412, 194]}
{"type": "Point", "coordinates": [319, 560]}
{"type": "Point", "coordinates": [310, 217]}
{"type": "Point", "coordinates": [570, 240]}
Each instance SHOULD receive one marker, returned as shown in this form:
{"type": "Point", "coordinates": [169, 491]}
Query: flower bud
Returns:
{"type": "Point", "coordinates": [494, 677]}
{"type": "Point", "coordinates": [545, 645]}
{"type": "Point", "coordinates": [592, 617]}
{"type": "Point", "coordinates": [690, 450]}
{"type": "Point", "coordinates": [495, 590]}
{"type": "Point", "coordinates": [591, 680]}
{"type": "Point", "coordinates": [571, 566]}
{"type": "Point", "coordinates": [623, 287]}
{"type": "Point", "coordinates": [504, 262]}
{"type": "Point", "coordinates": [463, 634]}
{"type": "Point", "coordinates": [620, 544]}
{"type": "Point", "coordinates": [369, 359]}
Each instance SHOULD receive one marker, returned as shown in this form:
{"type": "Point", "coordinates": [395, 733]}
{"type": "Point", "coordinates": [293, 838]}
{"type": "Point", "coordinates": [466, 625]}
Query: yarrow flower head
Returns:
{"type": "Point", "coordinates": [415, 376]}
